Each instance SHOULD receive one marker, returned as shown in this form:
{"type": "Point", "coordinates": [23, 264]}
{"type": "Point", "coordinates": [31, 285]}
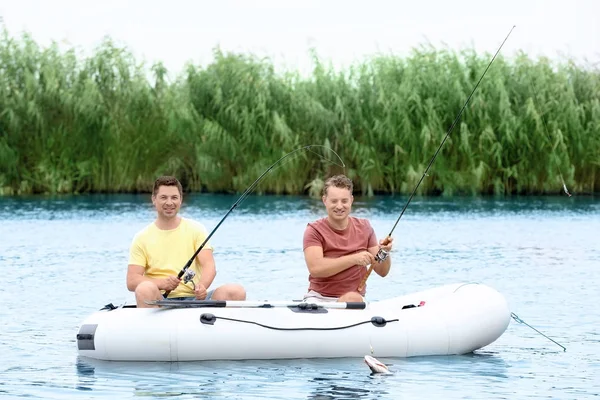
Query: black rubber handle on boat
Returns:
{"type": "Point", "coordinates": [213, 303]}
{"type": "Point", "coordinates": [356, 305]}
{"type": "Point", "coordinates": [191, 303]}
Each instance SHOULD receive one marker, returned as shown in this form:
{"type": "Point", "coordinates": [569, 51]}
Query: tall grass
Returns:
{"type": "Point", "coordinates": [107, 123]}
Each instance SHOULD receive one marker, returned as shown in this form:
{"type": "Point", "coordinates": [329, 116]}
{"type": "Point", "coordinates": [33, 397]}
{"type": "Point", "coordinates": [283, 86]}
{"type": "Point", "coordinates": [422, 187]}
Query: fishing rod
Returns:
{"type": "Point", "coordinates": [548, 134]}
{"type": "Point", "coordinates": [242, 198]}
{"type": "Point", "coordinates": [382, 254]}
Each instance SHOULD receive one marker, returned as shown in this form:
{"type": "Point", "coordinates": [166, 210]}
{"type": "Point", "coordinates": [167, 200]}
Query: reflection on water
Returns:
{"type": "Point", "coordinates": [86, 375]}
{"type": "Point", "coordinates": [311, 379]}
{"type": "Point", "coordinates": [345, 387]}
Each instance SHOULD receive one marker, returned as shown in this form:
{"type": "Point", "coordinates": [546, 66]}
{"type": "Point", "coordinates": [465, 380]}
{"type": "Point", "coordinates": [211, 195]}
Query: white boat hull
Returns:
{"type": "Point", "coordinates": [455, 319]}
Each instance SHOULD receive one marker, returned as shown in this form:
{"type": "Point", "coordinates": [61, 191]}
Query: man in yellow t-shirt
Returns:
{"type": "Point", "coordinates": [159, 252]}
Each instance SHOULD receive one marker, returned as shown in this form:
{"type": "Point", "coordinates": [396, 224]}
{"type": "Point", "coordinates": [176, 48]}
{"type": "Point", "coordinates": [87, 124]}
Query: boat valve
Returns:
{"type": "Point", "coordinates": [208, 319]}
{"type": "Point", "coordinates": [378, 321]}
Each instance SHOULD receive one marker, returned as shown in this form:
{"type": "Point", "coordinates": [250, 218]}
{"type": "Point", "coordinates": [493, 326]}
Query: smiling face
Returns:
{"type": "Point", "coordinates": [167, 201]}
{"type": "Point", "coordinates": [338, 203]}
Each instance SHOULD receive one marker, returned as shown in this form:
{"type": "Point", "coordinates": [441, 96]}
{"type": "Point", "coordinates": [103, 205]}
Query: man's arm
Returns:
{"type": "Point", "coordinates": [322, 267]}
{"type": "Point", "coordinates": [135, 276]}
{"type": "Point", "coordinates": [383, 268]}
{"type": "Point", "coordinates": [209, 271]}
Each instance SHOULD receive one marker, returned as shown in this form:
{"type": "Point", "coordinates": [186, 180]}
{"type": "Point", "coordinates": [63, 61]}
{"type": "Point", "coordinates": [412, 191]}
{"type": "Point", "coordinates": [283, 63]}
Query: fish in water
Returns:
{"type": "Point", "coordinates": [377, 367]}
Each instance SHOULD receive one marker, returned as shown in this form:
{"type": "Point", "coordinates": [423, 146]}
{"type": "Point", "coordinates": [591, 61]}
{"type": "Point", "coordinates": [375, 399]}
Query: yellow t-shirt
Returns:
{"type": "Point", "coordinates": [165, 252]}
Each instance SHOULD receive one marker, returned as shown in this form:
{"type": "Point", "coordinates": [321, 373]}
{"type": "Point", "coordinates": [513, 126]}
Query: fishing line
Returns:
{"type": "Point", "coordinates": [382, 254]}
{"type": "Point", "coordinates": [535, 95]}
{"type": "Point", "coordinates": [247, 192]}
{"type": "Point", "coordinates": [519, 320]}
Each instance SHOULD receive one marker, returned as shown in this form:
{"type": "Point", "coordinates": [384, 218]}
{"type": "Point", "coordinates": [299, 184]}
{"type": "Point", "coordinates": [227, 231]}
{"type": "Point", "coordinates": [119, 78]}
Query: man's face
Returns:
{"type": "Point", "coordinates": [167, 201]}
{"type": "Point", "coordinates": [338, 202]}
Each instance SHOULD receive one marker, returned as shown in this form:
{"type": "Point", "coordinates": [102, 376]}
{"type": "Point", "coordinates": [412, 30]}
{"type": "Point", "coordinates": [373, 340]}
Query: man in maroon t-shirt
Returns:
{"type": "Point", "coordinates": [338, 248]}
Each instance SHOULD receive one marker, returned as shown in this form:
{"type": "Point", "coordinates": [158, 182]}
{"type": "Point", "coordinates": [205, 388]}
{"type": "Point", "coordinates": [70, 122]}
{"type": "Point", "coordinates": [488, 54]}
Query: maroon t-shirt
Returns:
{"type": "Point", "coordinates": [358, 236]}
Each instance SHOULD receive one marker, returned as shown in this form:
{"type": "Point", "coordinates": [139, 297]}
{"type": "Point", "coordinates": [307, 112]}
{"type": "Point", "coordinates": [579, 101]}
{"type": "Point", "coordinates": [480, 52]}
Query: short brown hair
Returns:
{"type": "Point", "coordinates": [166, 181]}
{"type": "Point", "coordinates": [338, 181]}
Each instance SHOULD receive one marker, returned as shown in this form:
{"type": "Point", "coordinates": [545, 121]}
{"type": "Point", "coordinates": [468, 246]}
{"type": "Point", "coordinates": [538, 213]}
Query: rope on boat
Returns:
{"type": "Point", "coordinates": [376, 321]}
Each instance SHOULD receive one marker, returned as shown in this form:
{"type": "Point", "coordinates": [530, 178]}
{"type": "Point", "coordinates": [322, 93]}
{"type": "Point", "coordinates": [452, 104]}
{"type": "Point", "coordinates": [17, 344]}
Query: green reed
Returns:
{"type": "Point", "coordinates": [108, 123]}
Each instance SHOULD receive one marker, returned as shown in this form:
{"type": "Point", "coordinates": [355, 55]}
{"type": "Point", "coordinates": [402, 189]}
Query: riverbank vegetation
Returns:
{"type": "Point", "coordinates": [108, 123]}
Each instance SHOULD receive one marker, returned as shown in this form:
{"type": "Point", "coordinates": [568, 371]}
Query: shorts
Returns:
{"type": "Point", "coordinates": [209, 295]}
{"type": "Point", "coordinates": [314, 296]}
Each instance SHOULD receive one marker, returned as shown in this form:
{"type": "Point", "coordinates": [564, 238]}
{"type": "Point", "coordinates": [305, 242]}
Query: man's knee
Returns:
{"type": "Point", "coordinates": [230, 291]}
{"type": "Point", "coordinates": [146, 291]}
{"type": "Point", "coordinates": [351, 297]}
{"type": "Point", "coordinates": [145, 288]}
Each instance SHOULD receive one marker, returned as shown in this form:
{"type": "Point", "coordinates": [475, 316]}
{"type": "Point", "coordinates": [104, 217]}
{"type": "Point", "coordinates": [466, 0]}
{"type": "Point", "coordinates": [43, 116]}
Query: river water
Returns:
{"type": "Point", "coordinates": [63, 258]}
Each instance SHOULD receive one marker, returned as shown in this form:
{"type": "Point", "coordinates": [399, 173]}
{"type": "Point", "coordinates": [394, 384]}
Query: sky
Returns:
{"type": "Point", "coordinates": [342, 32]}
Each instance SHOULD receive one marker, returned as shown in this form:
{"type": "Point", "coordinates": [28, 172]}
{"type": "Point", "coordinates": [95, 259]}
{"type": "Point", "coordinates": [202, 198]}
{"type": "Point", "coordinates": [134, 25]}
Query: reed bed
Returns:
{"type": "Point", "coordinates": [109, 123]}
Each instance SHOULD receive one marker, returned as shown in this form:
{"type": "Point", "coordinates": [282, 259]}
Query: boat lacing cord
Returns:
{"type": "Point", "coordinates": [465, 284]}
{"type": "Point", "coordinates": [376, 321]}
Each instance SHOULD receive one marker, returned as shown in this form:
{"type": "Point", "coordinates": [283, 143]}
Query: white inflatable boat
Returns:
{"type": "Point", "coordinates": [452, 319]}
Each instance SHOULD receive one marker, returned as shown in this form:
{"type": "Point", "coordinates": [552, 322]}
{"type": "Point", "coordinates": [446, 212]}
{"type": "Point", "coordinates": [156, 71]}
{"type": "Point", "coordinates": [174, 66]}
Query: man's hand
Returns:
{"type": "Point", "coordinates": [169, 283]}
{"type": "Point", "coordinates": [200, 291]}
{"type": "Point", "coordinates": [386, 243]}
{"type": "Point", "coordinates": [364, 258]}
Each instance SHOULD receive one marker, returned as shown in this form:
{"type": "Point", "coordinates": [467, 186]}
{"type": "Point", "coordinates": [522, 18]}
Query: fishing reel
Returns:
{"type": "Point", "coordinates": [188, 276]}
{"type": "Point", "coordinates": [381, 255]}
